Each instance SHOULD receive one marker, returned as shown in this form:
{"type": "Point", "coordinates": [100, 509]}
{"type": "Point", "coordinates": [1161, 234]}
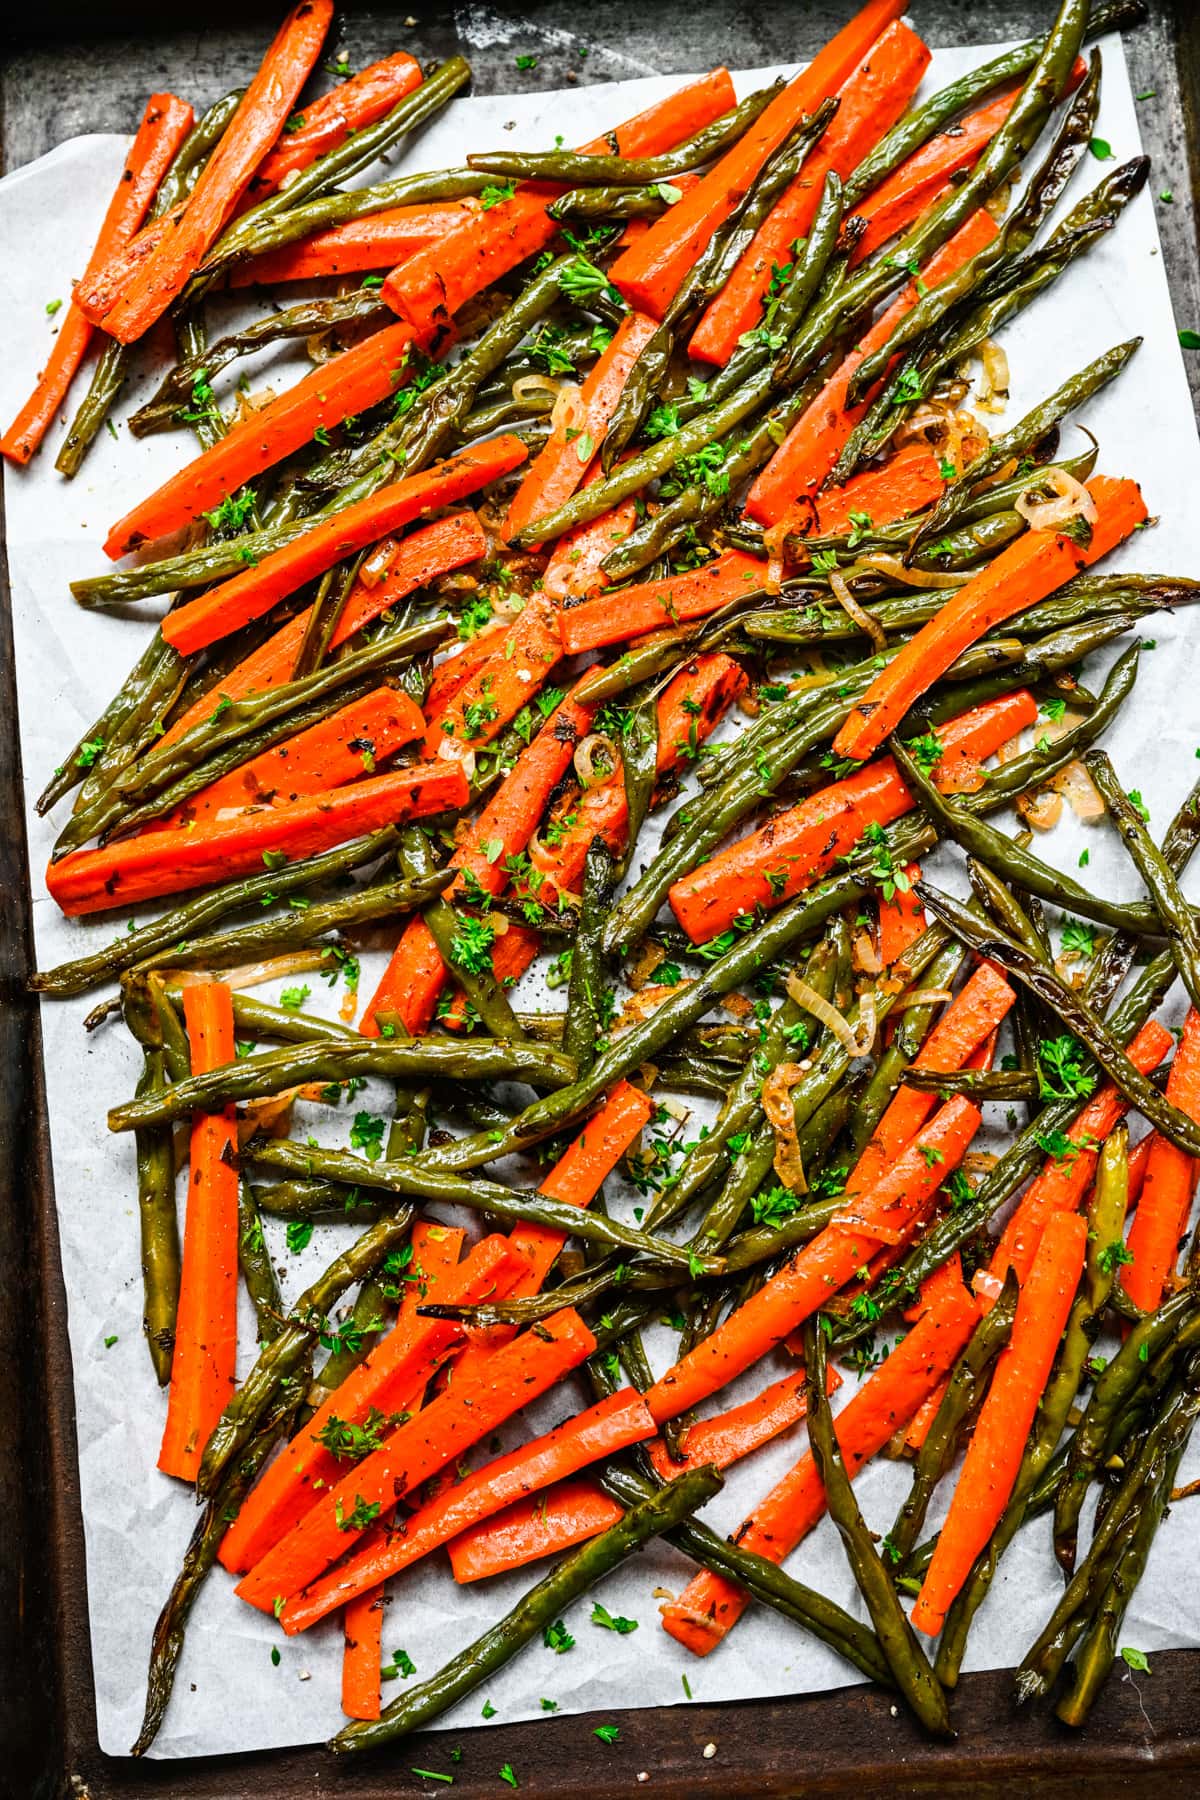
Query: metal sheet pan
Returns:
{"type": "Point", "coordinates": [86, 68]}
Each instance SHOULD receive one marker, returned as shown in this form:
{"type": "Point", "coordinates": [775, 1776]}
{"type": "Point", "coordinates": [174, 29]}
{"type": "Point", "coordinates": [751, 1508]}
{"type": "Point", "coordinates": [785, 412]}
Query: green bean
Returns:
{"type": "Point", "coordinates": [412, 1175]}
{"type": "Point", "coordinates": [158, 1222]}
{"type": "Point", "coordinates": [1077, 1016]}
{"type": "Point", "coordinates": [262, 938]}
{"type": "Point", "coordinates": [317, 1200]}
{"type": "Point", "coordinates": [283, 1356]}
{"type": "Point", "coordinates": [897, 1639]}
{"type": "Point", "coordinates": [258, 1271]}
{"type": "Point", "coordinates": [1071, 394]}
{"type": "Point", "coordinates": [1005, 857]}
{"type": "Point", "coordinates": [639, 774]}
{"type": "Point", "coordinates": [586, 988]}
{"type": "Point", "coordinates": [963, 1394]}
{"type": "Point", "coordinates": [576, 169]}
{"type": "Point", "coordinates": [1158, 1457]}
{"type": "Point", "coordinates": [1112, 1392]}
{"type": "Point", "coordinates": [255, 1077]}
{"type": "Point", "coordinates": [166, 1645]}
{"type": "Point", "coordinates": [354, 1340]}
{"type": "Point", "coordinates": [259, 1019]}
{"type": "Point", "coordinates": [661, 1511]}
{"type": "Point", "coordinates": [1000, 1085]}
{"type": "Point", "coordinates": [110, 743]}
{"type": "Point", "coordinates": [1174, 914]}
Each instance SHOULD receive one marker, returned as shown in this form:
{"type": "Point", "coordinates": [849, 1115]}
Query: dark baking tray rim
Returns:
{"type": "Point", "coordinates": [849, 1740]}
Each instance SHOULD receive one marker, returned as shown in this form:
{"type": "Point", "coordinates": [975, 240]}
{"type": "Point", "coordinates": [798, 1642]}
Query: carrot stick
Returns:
{"type": "Point", "coordinates": [434, 284]}
{"type": "Point", "coordinates": [203, 1369]}
{"type": "Point", "coordinates": [729, 1436]}
{"type": "Point", "coordinates": [350, 383]}
{"type": "Point", "coordinates": [901, 919]}
{"type": "Point", "coordinates": [870, 101]}
{"type": "Point", "coordinates": [245, 597]}
{"type": "Point", "coordinates": [693, 703]}
{"type": "Point", "coordinates": [1168, 1185]}
{"type": "Point", "coordinates": [559, 856]}
{"type": "Point", "coordinates": [998, 1440]}
{"type": "Point", "coordinates": [427, 553]}
{"type": "Point", "coordinates": [338, 750]}
{"type": "Point", "coordinates": [466, 1412]}
{"type": "Point", "coordinates": [253, 129]}
{"type": "Point", "coordinates": [925, 176]}
{"type": "Point", "coordinates": [946, 1278]}
{"type": "Point", "coordinates": [1065, 1179]}
{"type": "Point", "coordinates": [1027, 571]}
{"type": "Point", "coordinates": [460, 664]}
{"type": "Point", "coordinates": [501, 686]}
{"type": "Point", "coordinates": [788, 854]}
{"type": "Point", "coordinates": [651, 605]}
{"type": "Point", "coordinates": [650, 271]}
{"type": "Point", "coordinates": [711, 1605]}
{"type": "Point", "coordinates": [573, 1510]}
{"type": "Point", "coordinates": [167, 862]}
{"type": "Point", "coordinates": [327, 122]}
{"type": "Point", "coordinates": [612, 1425]}
{"type": "Point", "coordinates": [909, 483]}
{"type": "Point", "coordinates": [558, 469]}
{"type": "Point", "coordinates": [1139, 1158]}
{"type": "Point", "coordinates": [381, 240]}
{"type": "Point", "coordinates": [165, 123]}
{"type": "Point", "coordinates": [813, 444]}
{"type": "Point", "coordinates": [395, 1374]}
{"type": "Point", "coordinates": [969, 1020]}
{"type": "Point", "coordinates": [821, 1267]}
{"type": "Point", "coordinates": [416, 974]}
{"type": "Point", "coordinates": [574, 567]}
{"type": "Point", "coordinates": [362, 1652]}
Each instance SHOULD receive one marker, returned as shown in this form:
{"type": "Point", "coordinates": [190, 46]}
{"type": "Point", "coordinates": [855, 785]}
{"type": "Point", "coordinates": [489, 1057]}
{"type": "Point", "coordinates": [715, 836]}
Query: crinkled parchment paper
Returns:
{"type": "Point", "coordinates": [229, 1696]}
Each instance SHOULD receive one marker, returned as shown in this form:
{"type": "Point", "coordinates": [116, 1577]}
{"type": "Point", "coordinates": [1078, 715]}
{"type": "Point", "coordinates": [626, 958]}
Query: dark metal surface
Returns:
{"type": "Point", "coordinates": [75, 67]}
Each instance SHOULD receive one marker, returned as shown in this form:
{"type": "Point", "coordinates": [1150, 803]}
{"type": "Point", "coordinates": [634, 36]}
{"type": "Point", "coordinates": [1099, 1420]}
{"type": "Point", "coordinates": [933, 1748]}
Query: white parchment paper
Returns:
{"type": "Point", "coordinates": [229, 1695]}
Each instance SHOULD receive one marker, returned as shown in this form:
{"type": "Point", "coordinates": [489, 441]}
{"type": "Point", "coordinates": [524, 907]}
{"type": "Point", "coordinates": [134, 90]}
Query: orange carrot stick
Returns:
{"type": "Point", "coordinates": [793, 849]}
{"type": "Point", "coordinates": [870, 101]}
{"type": "Point", "coordinates": [711, 1605]}
{"type": "Point", "coordinates": [362, 1651]}
{"type": "Point", "coordinates": [245, 597]}
{"type": "Point", "coordinates": [467, 1411]}
{"type": "Point", "coordinates": [329, 121]}
{"type": "Point", "coordinates": [254, 127]}
{"type": "Point", "coordinates": [498, 689]}
{"type": "Point", "coordinates": [574, 567]}
{"type": "Point", "coordinates": [612, 1425]}
{"type": "Point", "coordinates": [813, 444]}
{"type": "Point", "coordinates": [381, 240]}
{"type": "Point", "coordinates": [165, 123]}
{"type": "Point", "coordinates": [649, 272]}
{"type": "Point", "coordinates": [558, 469]}
{"type": "Point", "coordinates": [651, 605]}
{"type": "Point", "coordinates": [1027, 571]}
{"type": "Point", "coordinates": [574, 1510]}
{"type": "Point", "coordinates": [350, 383]}
{"type": "Point", "coordinates": [901, 919]}
{"type": "Point", "coordinates": [1065, 1179]}
{"type": "Point", "coordinates": [909, 483]}
{"type": "Point", "coordinates": [693, 703]}
{"type": "Point", "coordinates": [167, 862]}
{"type": "Point", "coordinates": [341, 748]}
{"type": "Point", "coordinates": [1168, 1185]}
{"type": "Point", "coordinates": [998, 1440]}
{"type": "Point", "coordinates": [203, 1369]}
{"type": "Point", "coordinates": [820, 1267]}
{"type": "Point", "coordinates": [434, 284]}
{"type": "Point", "coordinates": [395, 1373]}
{"type": "Point", "coordinates": [420, 558]}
